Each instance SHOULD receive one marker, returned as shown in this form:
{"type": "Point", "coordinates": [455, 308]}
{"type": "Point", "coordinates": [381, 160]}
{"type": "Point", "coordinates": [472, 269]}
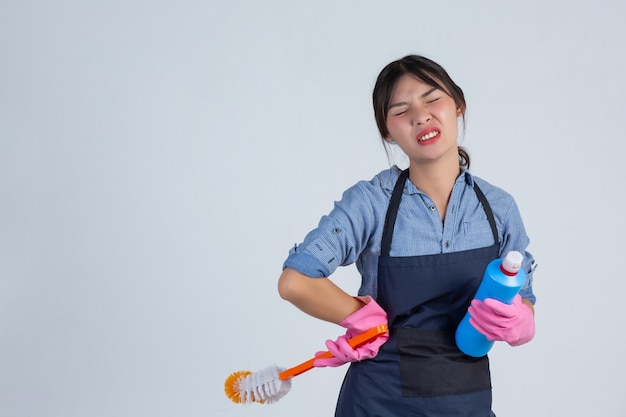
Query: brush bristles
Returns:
{"type": "Point", "coordinates": [264, 386]}
{"type": "Point", "coordinates": [231, 385]}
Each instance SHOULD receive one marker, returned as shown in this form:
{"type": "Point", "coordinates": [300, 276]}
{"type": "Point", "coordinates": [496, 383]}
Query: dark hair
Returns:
{"type": "Point", "coordinates": [425, 70]}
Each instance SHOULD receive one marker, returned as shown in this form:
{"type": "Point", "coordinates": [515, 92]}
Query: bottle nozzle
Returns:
{"type": "Point", "coordinates": [512, 262]}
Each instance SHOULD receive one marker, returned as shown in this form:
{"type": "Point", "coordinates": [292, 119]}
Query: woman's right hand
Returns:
{"type": "Point", "coordinates": [368, 316]}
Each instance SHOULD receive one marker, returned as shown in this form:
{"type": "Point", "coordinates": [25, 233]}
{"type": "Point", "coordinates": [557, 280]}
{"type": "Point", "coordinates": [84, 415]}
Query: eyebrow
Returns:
{"type": "Point", "coordinates": [402, 103]}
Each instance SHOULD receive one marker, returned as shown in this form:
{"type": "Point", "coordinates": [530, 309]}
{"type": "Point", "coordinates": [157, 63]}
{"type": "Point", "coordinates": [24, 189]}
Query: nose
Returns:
{"type": "Point", "coordinates": [421, 116]}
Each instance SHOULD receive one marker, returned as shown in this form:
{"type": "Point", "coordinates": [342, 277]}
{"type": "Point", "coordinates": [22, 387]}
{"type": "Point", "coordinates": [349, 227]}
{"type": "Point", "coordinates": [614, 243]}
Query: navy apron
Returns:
{"type": "Point", "coordinates": [420, 371]}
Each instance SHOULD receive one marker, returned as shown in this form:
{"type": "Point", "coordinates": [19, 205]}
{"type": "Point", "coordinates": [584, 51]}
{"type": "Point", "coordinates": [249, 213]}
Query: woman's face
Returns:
{"type": "Point", "coordinates": [422, 120]}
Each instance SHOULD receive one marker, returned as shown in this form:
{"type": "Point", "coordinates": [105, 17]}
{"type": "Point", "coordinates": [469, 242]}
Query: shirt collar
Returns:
{"type": "Point", "coordinates": [410, 188]}
{"type": "Point", "coordinates": [466, 176]}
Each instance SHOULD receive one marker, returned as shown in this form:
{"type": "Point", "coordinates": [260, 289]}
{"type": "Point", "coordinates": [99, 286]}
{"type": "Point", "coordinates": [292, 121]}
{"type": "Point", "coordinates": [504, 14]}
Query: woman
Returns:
{"type": "Point", "coordinates": [421, 239]}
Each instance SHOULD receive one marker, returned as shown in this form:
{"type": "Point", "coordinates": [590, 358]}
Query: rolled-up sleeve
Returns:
{"type": "Point", "coordinates": [338, 239]}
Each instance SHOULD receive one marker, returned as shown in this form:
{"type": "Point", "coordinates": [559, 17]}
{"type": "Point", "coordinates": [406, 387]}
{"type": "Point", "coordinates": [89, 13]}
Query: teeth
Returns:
{"type": "Point", "coordinates": [428, 136]}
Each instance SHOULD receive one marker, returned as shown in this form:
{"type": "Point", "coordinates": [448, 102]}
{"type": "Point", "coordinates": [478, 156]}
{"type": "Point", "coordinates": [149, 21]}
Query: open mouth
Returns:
{"type": "Point", "coordinates": [428, 134]}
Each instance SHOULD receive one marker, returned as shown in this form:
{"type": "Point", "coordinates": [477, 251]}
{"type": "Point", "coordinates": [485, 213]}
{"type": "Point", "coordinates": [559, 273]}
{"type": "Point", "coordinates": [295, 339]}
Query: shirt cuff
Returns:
{"type": "Point", "coordinates": [306, 264]}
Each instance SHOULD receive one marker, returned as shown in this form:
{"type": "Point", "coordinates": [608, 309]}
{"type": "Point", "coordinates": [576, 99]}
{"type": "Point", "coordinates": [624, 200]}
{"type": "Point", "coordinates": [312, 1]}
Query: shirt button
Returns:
{"type": "Point", "coordinates": [447, 244]}
{"type": "Point", "coordinates": [432, 208]}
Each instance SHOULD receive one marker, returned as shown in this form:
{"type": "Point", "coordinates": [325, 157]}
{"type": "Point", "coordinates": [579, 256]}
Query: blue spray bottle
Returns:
{"type": "Point", "coordinates": [502, 280]}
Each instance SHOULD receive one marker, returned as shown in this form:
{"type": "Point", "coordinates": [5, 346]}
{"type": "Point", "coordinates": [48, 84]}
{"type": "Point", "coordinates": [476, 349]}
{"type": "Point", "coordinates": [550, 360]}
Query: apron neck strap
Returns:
{"type": "Point", "coordinates": [392, 213]}
{"type": "Point", "coordinates": [488, 211]}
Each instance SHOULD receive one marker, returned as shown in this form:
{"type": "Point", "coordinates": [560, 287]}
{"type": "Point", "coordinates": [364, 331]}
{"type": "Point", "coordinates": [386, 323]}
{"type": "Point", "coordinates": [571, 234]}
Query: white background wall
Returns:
{"type": "Point", "coordinates": [158, 159]}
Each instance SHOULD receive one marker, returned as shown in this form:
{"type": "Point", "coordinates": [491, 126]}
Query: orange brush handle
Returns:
{"type": "Point", "coordinates": [355, 342]}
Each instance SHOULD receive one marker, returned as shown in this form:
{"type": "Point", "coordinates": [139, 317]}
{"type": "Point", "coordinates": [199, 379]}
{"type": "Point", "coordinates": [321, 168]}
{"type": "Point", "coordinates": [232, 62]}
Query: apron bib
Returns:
{"type": "Point", "coordinates": [420, 371]}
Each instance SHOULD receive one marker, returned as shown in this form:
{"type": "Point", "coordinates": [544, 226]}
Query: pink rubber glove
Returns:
{"type": "Point", "coordinates": [514, 323]}
{"type": "Point", "coordinates": [368, 316]}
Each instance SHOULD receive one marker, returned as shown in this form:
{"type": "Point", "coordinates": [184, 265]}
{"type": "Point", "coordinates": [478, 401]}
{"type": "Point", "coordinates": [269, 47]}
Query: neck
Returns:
{"type": "Point", "coordinates": [436, 179]}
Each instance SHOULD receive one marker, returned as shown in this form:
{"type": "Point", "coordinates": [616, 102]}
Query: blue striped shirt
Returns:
{"type": "Point", "coordinates": [352, 231]}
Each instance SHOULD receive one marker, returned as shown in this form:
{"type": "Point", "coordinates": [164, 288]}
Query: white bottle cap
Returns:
{"type": "Point", "coordinates": [512, 262]}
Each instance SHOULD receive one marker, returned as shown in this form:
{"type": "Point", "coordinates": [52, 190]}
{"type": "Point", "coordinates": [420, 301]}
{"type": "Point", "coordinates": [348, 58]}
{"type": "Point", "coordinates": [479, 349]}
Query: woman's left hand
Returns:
{"type": "Point", "coordinates": [512, 323]}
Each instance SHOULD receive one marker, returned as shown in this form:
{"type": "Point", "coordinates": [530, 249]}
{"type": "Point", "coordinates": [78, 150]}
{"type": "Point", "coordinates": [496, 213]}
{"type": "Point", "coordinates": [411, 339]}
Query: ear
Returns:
{"type": "Point", "coordinates": [460, 112]}
{"type": "Point", "coordinates": [390, 140]}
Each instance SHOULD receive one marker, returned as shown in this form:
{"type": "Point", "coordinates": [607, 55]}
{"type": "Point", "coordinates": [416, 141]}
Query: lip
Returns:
{"type": "Point", "coordinates": [428, 131]}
